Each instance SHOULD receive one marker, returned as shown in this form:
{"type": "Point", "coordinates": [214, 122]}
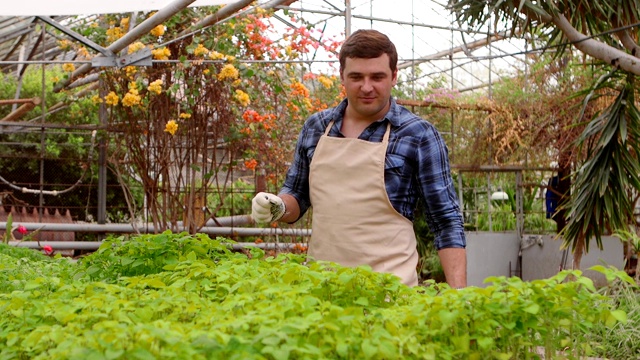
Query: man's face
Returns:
{"type": "Point", "coordinates": [368, 83]}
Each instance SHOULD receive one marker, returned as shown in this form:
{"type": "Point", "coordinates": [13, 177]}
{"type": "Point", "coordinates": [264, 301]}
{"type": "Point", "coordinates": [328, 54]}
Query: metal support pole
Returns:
{"type": "Point", "coordinates": [347, 18]}
{"type": "Point", "coordinates": [102, 160]}
{"type": "Point", "coordinates": [43, 104]}
{"type": "Point", "coordinates": [489, 201]}
{"type": "Point", "coordinates": [519, 206]}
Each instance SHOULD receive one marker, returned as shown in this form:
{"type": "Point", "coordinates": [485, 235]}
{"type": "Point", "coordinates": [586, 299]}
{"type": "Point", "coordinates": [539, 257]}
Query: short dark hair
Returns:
{"type": "Point", "coordinates": [368, 44]}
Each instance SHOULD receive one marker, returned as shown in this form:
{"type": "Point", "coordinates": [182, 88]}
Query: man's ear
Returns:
{"type": "Point", "coordinates": [394, 77]}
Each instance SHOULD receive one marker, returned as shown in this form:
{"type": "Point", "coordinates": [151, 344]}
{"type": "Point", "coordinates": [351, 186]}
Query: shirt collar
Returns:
{"type": "Point", "coordinates": [393, 115]}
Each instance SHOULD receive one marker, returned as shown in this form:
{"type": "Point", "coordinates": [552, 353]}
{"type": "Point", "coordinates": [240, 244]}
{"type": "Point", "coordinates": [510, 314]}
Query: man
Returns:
{"type": "Point", "coordinates": [363, 166]}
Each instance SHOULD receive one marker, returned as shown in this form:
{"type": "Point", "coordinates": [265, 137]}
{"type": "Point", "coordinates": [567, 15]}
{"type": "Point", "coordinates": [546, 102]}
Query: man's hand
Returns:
{"type": "Point", "coordinates": [266, 207]}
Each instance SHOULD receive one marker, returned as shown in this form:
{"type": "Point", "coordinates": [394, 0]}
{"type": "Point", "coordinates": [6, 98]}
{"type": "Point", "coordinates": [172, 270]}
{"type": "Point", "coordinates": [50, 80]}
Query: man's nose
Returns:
{"type": "Point", "coordinates": [367, 85]}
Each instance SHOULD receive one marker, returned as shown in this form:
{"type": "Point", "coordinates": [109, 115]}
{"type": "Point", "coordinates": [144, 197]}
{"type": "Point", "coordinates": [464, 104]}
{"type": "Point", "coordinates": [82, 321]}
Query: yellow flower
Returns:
{"type": "Point", "coordinates": [325, 81]}
{"type": "Point", "coordinates": [236, 82]}
{"type": "Point", "coordinates": [124, 23]}
{"type": "Point", "coordinates": [228, 72]}
{"type": "Point", "coordinates": [130, 70]}
{"type": "Point", "coordinates": [200, 50]}
{"type": "Point", "coordinates": [171, 127]}
{"type": "Point", "coordinates": [214, 55]}
{"type": "Point", "coordinates": [156, 87]}
{"type": "Point", "coordinates": [135, 47]}
{"type": "Point", "coordinates": [131, 98]}
{"type": "Point", "coordinates": [68, 67]}
{"type": "Point", "coordinates": [64, 44]}
{"type": "Point", "coordinates": [111, 99]}
{"type": "Point", "coordinates": [158, 30]}
{"type": "Point", "coordinates": [185, 116]}
{"type": "Point", "coordinates": [114, 34]}
{"type": "Point", "coordinates": [96, 99]}
{"type": "Point", "coordinates": [242, 97]}
{"type": "Point", "coordinates": [83, 52]}
{"type": "Point", "coordinates": [206, 71]}
{"type": "Point", "coordinates": [161, 54]}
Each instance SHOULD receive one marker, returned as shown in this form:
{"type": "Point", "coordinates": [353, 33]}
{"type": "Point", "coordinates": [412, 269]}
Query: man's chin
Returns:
{"type": "Point", "coordinates": [368, 110]}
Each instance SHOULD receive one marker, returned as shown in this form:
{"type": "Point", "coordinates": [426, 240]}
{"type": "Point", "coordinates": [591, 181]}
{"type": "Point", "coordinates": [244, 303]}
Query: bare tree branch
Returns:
{"type": "Point", "coordinates": [598, 50]}
{"type": "Point", "coordinates": [628, 42]}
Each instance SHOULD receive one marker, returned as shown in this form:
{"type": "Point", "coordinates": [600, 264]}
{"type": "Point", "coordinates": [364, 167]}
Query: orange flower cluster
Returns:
{"type": "Point", "coordinates": [298, 88]}
{"type": "Point", "coordinates": [252, 116]}
{"type": "Point", "coordinates": [319, 105]}
{"type": "Point", "coordinates": [257, 43]}
{"type": "Point", "coordinates": [299, 248]}
{"type": "Point", "coordinates": [251, 164]}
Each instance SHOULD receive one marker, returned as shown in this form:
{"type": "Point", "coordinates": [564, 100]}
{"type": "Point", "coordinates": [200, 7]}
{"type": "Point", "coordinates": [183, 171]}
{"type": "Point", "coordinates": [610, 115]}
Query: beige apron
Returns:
{"type": "Point", "coordinates": [354, 222]}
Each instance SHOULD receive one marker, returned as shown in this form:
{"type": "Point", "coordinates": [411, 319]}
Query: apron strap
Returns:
{"type": "Point", "coordinates": [326, 131]}
{"type": "Point", "coordinates": [385, 139]}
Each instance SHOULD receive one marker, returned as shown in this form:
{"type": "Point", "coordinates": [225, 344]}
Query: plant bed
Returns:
{"type": "Point", "coordinates": [180, 296]}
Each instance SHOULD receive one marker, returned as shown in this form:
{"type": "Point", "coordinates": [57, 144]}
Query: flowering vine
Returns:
{"type": "Point", "coordinates": [167, 119]}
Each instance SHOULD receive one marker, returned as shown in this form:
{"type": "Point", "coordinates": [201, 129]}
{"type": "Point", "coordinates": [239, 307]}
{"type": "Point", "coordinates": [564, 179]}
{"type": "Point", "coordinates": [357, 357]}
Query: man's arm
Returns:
{"type": "Point", "coordinates": [291, 208]}
{"type": "Point", "coordinates": [454, 264]}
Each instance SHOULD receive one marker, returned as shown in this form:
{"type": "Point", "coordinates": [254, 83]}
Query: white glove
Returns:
{"type": "Point", "coordinates": [266, 207]}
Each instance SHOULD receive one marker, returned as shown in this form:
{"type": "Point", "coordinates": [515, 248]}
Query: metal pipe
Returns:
{"type": "Point", "coordinates": [235, 220]}
{"type": "Point", "coordinates": [94, 245]}
{"type": "Point", "coordinates": [223, 13]}
{"type": "Point", "coordinates": [347, 18]}
{"type": "Point", "coordinates": [136, 33]}
{"type": "Point", "coordinates": [150, 229]}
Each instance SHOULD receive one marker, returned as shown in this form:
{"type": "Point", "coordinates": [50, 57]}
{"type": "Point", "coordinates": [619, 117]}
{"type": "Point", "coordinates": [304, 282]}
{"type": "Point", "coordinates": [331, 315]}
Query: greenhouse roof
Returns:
{"type": "Point", "coordinates": [425, 34]}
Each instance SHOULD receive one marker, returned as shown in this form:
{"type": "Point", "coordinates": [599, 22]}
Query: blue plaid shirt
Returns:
{"type": "Point", "coordinates": [417, 166]}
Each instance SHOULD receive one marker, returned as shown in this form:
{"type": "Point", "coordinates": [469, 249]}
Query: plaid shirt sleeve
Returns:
{"type": "Point", "coordinates": [436, 185]}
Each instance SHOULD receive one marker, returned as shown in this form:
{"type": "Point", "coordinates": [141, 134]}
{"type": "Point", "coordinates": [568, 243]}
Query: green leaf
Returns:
{"type": "Point", "coordinates": [154, 283]}
{"type": "Point", "coordinates": [363, 301]}
{"type": "Point", "coordinates": [588, 283]}
{"type": "Point", "coordinates": [112, 354]}
{"type": "Point", "coordinates": [447, 317]}
{"type": "Point", "coordinates": [33, 284]}
{"type": "Point", "coordinates": [532, 308]}
{"type": "Point", "coordinates": [191, 256]}
{"type": "Point", "coordinates": [485, 342]}
{"type": "Point", "coordinates": [369, 350]}
{"type": "Point", "coordinates": [278, 353]}
{"type": "Point", "coordinates": [616, 316]}
{"type": "Point", "coordinates": [141, 354]}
